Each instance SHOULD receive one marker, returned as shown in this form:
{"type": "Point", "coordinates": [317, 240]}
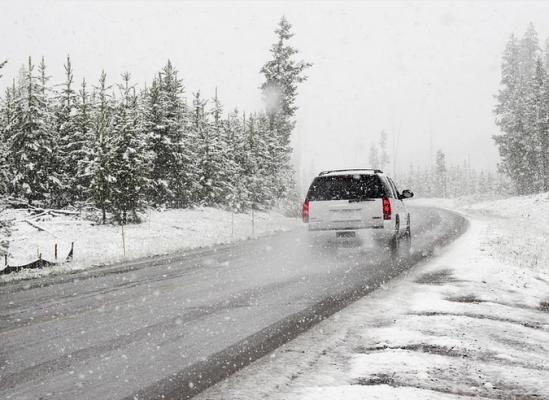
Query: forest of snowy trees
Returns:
{"type": "Point", "coordinates": [442, 181]}
{"type": "Point", "coordinates": [439, 180]}
{"type": "Point", "coordinates": [522, 113]}
{"type": "Point", "coordinates": [116, 149]}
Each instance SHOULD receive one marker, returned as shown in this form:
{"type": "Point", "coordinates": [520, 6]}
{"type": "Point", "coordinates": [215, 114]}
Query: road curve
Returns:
{"type": "Point", "coordinates": [170, 327]}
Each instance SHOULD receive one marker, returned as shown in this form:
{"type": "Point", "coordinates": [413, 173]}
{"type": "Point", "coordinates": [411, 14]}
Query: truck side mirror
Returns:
{"type": "Point", "coordinates": [406, 194]}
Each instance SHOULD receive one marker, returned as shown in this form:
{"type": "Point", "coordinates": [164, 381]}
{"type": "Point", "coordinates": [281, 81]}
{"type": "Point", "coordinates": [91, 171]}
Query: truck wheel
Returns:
{"type": "Point", "coordinates": [407, 242]}
{"type": "Point", "coordinates": [394, 244]}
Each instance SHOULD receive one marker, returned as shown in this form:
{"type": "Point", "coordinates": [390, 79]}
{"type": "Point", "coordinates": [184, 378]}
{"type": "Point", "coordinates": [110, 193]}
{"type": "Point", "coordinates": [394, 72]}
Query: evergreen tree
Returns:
{"type": "Point", "coordinates": [55, 171]}
{"type": "Point", "coordinates": [100, 166]}
{"type": "Point", "coordinates": [224, 165]}
{"type": "Point", "coordinates": [273, 171]}
{"type": "Point", "coordinates": [64, 159]}
{"type": "Point", "coordinates": [521, 114]}
{"type": "Point", "coordinates": [510, 117]}
{"type": "Point", "coordinates": [282, 76]}
{"type": "Point", "coordinates": [129, 161]}
{"type": "Point", "coordinates": [210, 152]}
{"type": "Point", "coordinates": [168, 137]}
{"type": "Point", "coordinates": [255, 163]}
{"type": "Point", "coordinates": [7, 119]}
{"type": "Point", "coordinates": [543, 127]}
{"type": "Point", "coordinates": [238, 193]}
{"type": "Point", "coordinates": [204, 148]}
{"type": "Point", "coordinates": [30, 140]}
{"type": "Point", "coordinates": [83, 147]}
{"type": "Point", "coordinates": [536, 129]}
{"type": "Point", "coordinates": [529, 52]}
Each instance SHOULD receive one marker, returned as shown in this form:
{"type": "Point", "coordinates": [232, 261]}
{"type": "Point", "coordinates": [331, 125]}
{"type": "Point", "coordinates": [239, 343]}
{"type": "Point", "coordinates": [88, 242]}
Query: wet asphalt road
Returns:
{"type": "Point", "coordinates": [170, 327]}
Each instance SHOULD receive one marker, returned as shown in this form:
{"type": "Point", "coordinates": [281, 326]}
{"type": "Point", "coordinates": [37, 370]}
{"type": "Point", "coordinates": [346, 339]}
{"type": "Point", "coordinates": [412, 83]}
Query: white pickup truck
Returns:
{"type": "Point", "coordinates": [344, 202]}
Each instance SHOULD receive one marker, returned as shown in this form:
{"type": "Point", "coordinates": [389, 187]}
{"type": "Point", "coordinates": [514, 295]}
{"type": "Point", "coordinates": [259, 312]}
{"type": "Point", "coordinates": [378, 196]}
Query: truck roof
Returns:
{"type": "Point", "coordinates": [351, 171]}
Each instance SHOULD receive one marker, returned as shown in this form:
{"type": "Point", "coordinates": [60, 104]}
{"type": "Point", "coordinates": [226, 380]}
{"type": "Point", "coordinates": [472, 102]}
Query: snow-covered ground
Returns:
{"type": "Point", "coordinates": [160, 233]}
{"type": "Point", "coordinates": [471, 323]}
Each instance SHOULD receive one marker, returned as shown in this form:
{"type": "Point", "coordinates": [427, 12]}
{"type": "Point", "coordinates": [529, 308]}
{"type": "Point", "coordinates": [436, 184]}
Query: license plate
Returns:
{"type": "Point", "coordinates": [345, 234]}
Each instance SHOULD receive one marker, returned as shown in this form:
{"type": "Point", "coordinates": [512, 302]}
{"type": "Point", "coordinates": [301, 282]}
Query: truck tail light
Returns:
{"type": "Point", "coordinates": [386, 209]}
{"type": "Point", "coordinates": [305, 212]}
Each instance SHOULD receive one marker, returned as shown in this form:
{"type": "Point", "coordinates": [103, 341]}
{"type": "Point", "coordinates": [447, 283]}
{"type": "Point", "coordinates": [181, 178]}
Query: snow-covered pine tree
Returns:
{"type": "Point", "coordinates": [30, 140]}
{"type": "Point", "coordinates": [280, 180]}
{"type": "Point", "coordinates": [529, 52]}
{"type": "Point", "coordinates": [536, 129]}
{"type": "Point", "coordinates": [217, 167]}
{"type": "Point", "coordinates": [543, 128]}
{"type": "Point", "coordinates": [235, 158]}
{"type": "Point", "coordinates": [154, 135]}
{"type": "Point", "coordinates": [100, 165]}
{"type": "Point", "coordinates": [520, 114]}
{"type": "Point", "coordinates": [128, 158]}
{"type": "Point", "coordinates": [4, 117]}
{"type": "Point", "coordinates": [55, 173]}
{"type": "Point", "coordinates": [509, 113]}
{"type": "Point", "coordinates": [172, 170]}
{"type": "Point", "coordinates": [207, 154]}
{"type": "Point", "coordinates": [83, 148]}
{"type": "Point", "coordinates": [253, 168]}
{"type": "Point", "coordinates": [7, 119]}
{"type": "Point", "coordinates": [274, 171]}
{"type": "Point", "coordinates": [64, 157]}
{"type": "Point", "coordinates": [279, 90]}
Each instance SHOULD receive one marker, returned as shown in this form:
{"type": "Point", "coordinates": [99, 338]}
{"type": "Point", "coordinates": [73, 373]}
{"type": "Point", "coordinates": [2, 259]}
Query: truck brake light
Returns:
{"type": "Point", "coordinates": [305, 212]}
{"type": "Point", "coordinates": [386, 209]}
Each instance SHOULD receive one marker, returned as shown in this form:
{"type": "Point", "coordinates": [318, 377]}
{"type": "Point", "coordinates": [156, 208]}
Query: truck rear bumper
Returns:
{"type": "Point", "coordinates": [374, 232]}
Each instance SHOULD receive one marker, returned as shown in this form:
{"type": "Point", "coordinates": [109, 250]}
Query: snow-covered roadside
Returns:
{"type": "Point", "coordinates": [471, 323]}
{"type": "Point", "coordinates": [161, 233]}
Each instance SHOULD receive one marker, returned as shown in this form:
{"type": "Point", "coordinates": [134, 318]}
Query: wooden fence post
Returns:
{"type": "Point", "coordinates": [253, 220]}
{"type": "Point", "coordinates": [123, 238]}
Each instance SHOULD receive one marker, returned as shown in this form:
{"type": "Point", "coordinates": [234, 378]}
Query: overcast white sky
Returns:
{"type": "Point", "coordinates": [426, 72]}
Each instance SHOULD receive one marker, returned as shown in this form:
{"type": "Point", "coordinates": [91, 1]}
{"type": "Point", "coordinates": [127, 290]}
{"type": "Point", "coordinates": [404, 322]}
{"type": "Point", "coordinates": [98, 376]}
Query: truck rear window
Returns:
{"type": "Point", "coordinates": [347, 187]}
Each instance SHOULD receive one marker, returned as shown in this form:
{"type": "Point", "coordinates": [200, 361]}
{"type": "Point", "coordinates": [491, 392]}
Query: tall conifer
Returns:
{"type": "Point", "coordinates": [100, 165]}
{"type": "Point", "coordinates": [30, 140]}
{"type": "Point", "coordinates": [282, 77]}
{"type": "Point", "coordinates": [128, 158]}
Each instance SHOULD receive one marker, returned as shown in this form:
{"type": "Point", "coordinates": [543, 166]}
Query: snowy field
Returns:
{"type": "Point", "coordinates": [471, 323]}
{"type": "Point", "coordinates": [161, 233]}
